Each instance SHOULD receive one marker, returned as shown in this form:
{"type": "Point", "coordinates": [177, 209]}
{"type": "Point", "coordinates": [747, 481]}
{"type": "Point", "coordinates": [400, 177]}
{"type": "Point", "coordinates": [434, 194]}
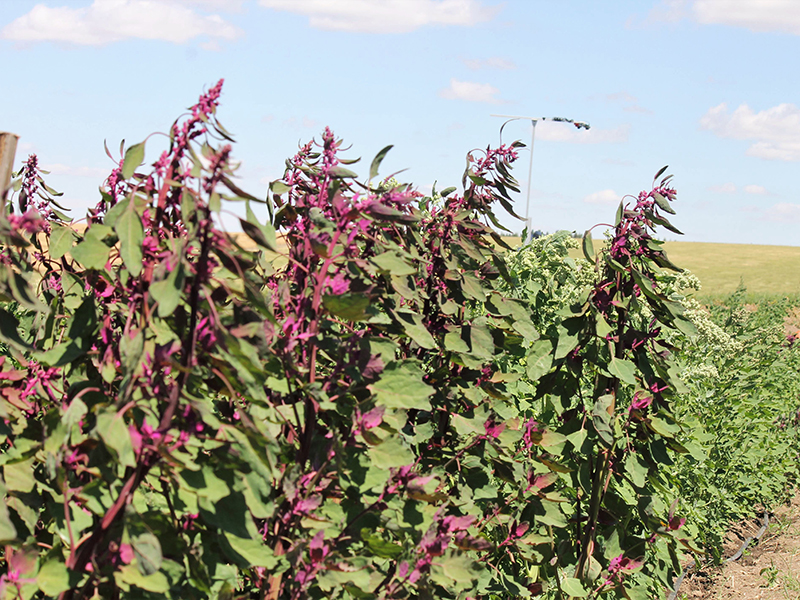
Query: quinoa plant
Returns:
{"type": "Point", "coordinates": [345, 406]}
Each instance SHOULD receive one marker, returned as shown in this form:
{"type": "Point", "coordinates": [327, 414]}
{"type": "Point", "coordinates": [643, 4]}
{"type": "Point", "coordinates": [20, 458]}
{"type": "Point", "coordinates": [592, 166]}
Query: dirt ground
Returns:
{"type": "Point", "coordinates": [770, 570]}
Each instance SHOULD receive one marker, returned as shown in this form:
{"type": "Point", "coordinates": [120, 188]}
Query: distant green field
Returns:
{"type": "Point", "coordinates": [764, 270]}
{"type": "Point", "coordinates": [767, 270]}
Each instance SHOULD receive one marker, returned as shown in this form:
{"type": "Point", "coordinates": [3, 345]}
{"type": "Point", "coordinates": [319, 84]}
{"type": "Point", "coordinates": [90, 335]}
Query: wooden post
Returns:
{"type": "Point", "coordinates": [8, 148]}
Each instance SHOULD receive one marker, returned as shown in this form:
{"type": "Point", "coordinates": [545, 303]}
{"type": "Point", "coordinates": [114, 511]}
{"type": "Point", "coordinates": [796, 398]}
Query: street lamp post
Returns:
{"type": "Point", "coordinates": [534, 120]}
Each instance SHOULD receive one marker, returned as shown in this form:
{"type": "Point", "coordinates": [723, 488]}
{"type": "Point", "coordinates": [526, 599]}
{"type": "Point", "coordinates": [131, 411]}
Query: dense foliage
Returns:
{"type": "Point", "coordinates": [372, 405]}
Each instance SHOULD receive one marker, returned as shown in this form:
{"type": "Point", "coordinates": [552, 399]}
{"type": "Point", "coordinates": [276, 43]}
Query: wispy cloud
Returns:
{"type": "Point", "coordinates": [757, 190]}
{"type": "Point", "coordinates": [630, 103]}
{"type": "Point", "coordinates": [725, 188]}
{"type": "Point", "coordinates": [756, 15]}
{"type": "Point", "coordinates": [107, 21]}
{"type": "Point", "coordinates": [775, 132]}
{"type": "Point", "coordinates": [783, 212]}
{"type": "Point", "coordinates": [213, 5]}
{"type": "Point", "coordinates": [495, 63]}
{"type": "Point", "coordinates": [386, 16]}
{"type": "Point", "coordinates": [471, 92]}
{"type": "Point", "coordinates": [605, 197]}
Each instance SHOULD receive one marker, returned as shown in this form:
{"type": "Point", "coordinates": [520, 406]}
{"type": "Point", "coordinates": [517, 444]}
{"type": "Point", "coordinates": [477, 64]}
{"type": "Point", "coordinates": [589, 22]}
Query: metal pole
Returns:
{"type": "Point", "coordinates": [8, 148]}
{"type": "Point", "coordinates": [578, 124]}
{"type": "Point", "coordinates": [530, 179]}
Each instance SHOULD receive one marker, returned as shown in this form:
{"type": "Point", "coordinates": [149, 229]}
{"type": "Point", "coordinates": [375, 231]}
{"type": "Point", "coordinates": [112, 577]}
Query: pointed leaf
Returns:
{"type": "Point", "coordinates": [263, 235]}
{"type": "Point", "coordinates": [131, 235]}
{"type": "Point", "coordinates": [588, 247]}
{"type": "Point", "coordinates": [401, 386]}
{"type": "Point", "coordinates": [663, 203]}
{"type": "Point", "coordinates": [134, 156]}
{"type": "Point", "coordinates": [60, 241]}
{"type": "Point", "coordinates": [376, 162]}
{"type": "Point", "coordinates": [91, 253]}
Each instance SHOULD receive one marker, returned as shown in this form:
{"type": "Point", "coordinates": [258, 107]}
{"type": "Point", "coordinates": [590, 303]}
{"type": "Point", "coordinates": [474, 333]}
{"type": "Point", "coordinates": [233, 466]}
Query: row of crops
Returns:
{"type": "Point", "coordinates": [380, 402]}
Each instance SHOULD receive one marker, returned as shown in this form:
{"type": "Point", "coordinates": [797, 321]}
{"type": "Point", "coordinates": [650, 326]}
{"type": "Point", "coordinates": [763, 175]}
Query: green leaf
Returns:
{"type": "Point", "coordinates": [167, 292]}
{"type": "Point", "coordinates": [378, 546]}
{"type": "Point", "coordinates": [61, 239]}
{"type": "Point", "coordinates": [458, 567]}
{"type": "Point", "coordinates": [636, 469]}
{"type": "Point", "coordinates": [62, 354]}
{"type": "Point", "coordinates": [342, 173]}
{"type": "Point", "coordinates": [376, 162]}
{"type": "Point", "coordinates": [350, 307]}
{"type": "Point", "coordinates": [601, 418]}
{"type": "Point", "coordinates": [393, 263]}
{"type": "Point", "coordinates": [573, 587]}
{"type": "Point", "coordinates": [54, 578]}
{"type": "Point", "coordinates": [401, 386]}
{"type": "Point", "coordinates": [9, 332]}
{"type": "Point", "coordinates": [112, 430]}
{"type": "Point", "coordinates": [134, 157]}
{"type": "Point", "coordinates": [663, 203]}
{"type": "Point", "coordinates": [415, 328]}
{"type": "Point", "coordinates": [147, 550]}
{"type": "Point", "coordinates": [588, 246]}
{"type": "Point", "coordinates": [623, 369]}
{"type": "Point", "coordinates": [391, 453]}
{"type": "Point", "coordinates": [131, 235]}
{"type": "Point", "coordinates": [662, 221]}
{"type": "Point", "coordinates": [663, 428]}
{"type": "Point", "coordinates": [114, 212]}
{"type": "Point", "coordinates": [19, 476]}
{"type": "Point", "coordinates": [539, 359]}
{"type": "Point", "coordinates": [91, 253]}
{"type": "Point", "coordinates": [205, 484]}
{"type": "Point", "coordinates": [620, 212]}
{"type": "Point", "coordinates": [453, 342]}
{"type": "Point", "coordinates": [278, 187]}
{"type": "Point", "coordinates": [481, 341]}
{"type": "Point", "coordinates": [254, 552]}
{"type": "Point", "coordinates": [8, 533]}
{"type": "Point", "coordinates": [263, 235]}
{"type": "Point", "coordinates": [156, 583]}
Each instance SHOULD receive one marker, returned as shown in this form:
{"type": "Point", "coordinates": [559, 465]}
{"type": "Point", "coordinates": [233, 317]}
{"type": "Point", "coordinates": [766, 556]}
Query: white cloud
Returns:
{"type": "Point", "coordinates": [566, 132]}
{"type": "Point", "coordinates": [92, 172]}
{"type": "Point", "coordinates": [618, 97]}
{"type": "Point", "coordinates": [756, 15]}
{"type": "Point", "coordinates": [496, 63]}
{"type": "Point", "coordinates": [783, 212]}
{"type": "Point", "coordinates": [725, 188]}
{"type": "Point", "coordinates": [214, 5]}
{"type": "Point", "coordinates": [669, 11]}
{"type": "Point", "coordinates": [630, 102]}
{"type": "Point", "coordinates": [758, 190]}
{"type": "Point", "coordinates": [385, 16]}
{"type": "Point", "coordinates": [607, 197]}
{"type": "Point", "coordinates": [471, 91]}
{"type": "Point", "coordinates": [106, 21]}
{"type": "Point", "coordinates": [775, 131]}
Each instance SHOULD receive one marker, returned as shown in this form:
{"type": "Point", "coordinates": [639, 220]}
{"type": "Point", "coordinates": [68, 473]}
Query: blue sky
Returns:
{"type": "Point", "coordinates": [706, 86]}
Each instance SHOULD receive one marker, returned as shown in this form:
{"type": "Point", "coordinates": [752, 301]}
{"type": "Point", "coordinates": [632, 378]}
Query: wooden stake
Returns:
{"type": "Point", "coordinates": [8, 148]}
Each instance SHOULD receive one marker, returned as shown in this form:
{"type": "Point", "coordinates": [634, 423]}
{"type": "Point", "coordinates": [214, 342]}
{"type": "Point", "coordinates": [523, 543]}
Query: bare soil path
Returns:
{"type": "Point", "coordinates": [769, 570]}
